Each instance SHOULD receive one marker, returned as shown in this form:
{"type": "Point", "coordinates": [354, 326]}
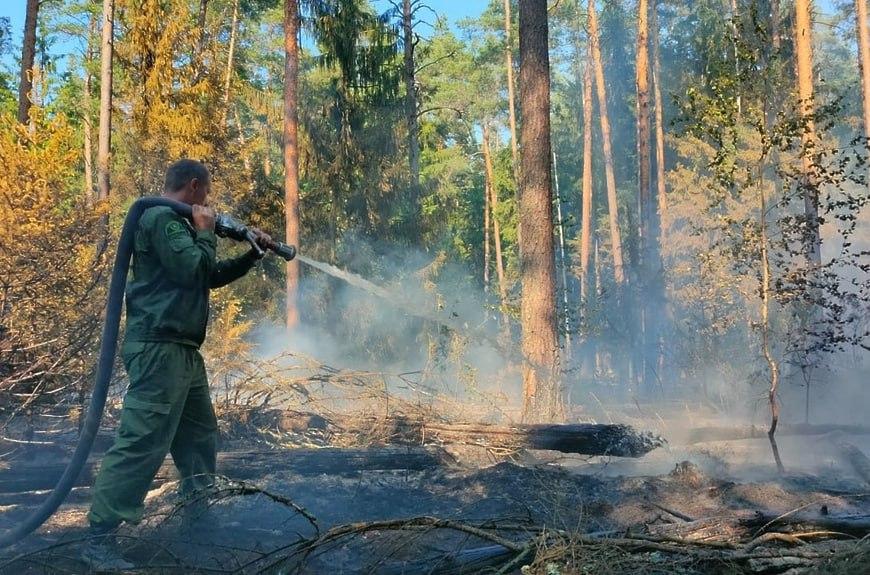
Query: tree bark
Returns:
{"type": "Point", "coordinates": [493, 205]}
{"type": "Point", "coordinates": [487, 182]}
{"type": "Point", "coordinates": [230, 58]}
{"type": "Point", "coordinates": [582, 438]}
{"type": "Point", "coordinates": [87, 136]}
{"type": "Point", "coordinates": [87, 122]}
{"type": "Point", "coordinates": [766, 349]}
{"type": "Point", "coordinates": [512, 117]}
{"type": "Point", "coordinates": [105, 135]}
{"type": "Point", "coordinates": [735, 35]}
{"type": "Point", "coordinates": [197, 58]}
{"type": "Point", "coordinates": [291, 152]}
{"type": "Point", "coordinates": [541, 390]}
{"type": "Point", "coordinates": [775, 24]}
{"type": "Point", "coordinates": [563, 260]}
{"type": "Point", "coordinates": [643, 132]}
{"type": "Point", "coordinates": [509, 66]}
{"type": "Point", "coordinates": [411, 101]}
{"type": "Point", "coordinates": [864, 62]}
{"type": "Point", "coordinates": [28, 54]}
{"type": "Point", "coordinates": [804, 56]}
{"type": "Point", "coordinates": [612, 202]}
{"type": "Point", "coordinates": [586, 214]}
{"type": "Point", "coordinates": [203, 12]}
{"type": "Point", "coordinates": [652, 297]}
{"type": "Point", "coordinates": [661, 178]}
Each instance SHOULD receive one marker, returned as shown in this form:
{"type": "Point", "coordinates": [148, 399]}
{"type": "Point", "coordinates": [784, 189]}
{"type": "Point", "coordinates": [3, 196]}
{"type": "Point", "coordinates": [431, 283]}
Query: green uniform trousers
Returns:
{"type": "Point", "coordinates": [167, 409]}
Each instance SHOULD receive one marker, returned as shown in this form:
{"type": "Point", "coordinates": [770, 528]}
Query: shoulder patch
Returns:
{"type": "Point", "coordinates": [175, 228]}
{"type": "Point", "coordinates": [178, 236]}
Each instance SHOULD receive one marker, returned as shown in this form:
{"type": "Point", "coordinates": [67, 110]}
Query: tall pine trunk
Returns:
{"type": "Point", "coordinates": [735, 37]}
{"type": "Point", "coordinates": [563, 261]}
{"type": "Point", "coordinates": [661, 178]}
{"type": "Point", "coordinates": [804, 56]}
{"type": "Point", "coordinates": [586, 213]}
{"type": "Point", "coordinates": [641, 82]}
{"type": "Point", "coordinates": [509, 67]}
{"type": "Point", "coordinates": [649, 268]}
{"type": "Point", "coordinates": [105, 136]}
{"type": "Point", "coordinates": [87, 138]}
{"type": "Point", "coordinates": [486, 224]}
{"type": "Point", "coordinates": [291, 153]}
{"type": "Point", "coordinates": [203, 12]}
{"type": "Point", "coordinates": [610, 178]}
{"type": "Point", "coordinates": [493, 206]}
{"type": "Point", "coordinates": [87, 111]}
{"type": "Point", "coordinates": [776, 35]}
{"type": "Point", "coordinates": [28, 54]}
{"type": "Point", "coordinates": [541, 390]}
{"type": "Point", "coordinates": [228, 77]}
{"type": "Point", "coordinates": [863, 36]}
{"type": "Point", "coordinates": [411, 101]}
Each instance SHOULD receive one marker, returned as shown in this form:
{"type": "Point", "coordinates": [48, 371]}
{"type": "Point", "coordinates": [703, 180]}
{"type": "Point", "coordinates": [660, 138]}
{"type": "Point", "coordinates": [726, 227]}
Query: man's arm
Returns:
{"type": "Point", "coordinates": [187, 261]}
{"type": "Point", "coordinates": [229, 270]}
{"type": "Point", "coordinates": [232, 269]}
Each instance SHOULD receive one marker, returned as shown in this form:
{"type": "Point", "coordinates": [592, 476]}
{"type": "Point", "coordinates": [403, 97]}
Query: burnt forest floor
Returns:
{"type": "Point", "coordinates": [701, 508]}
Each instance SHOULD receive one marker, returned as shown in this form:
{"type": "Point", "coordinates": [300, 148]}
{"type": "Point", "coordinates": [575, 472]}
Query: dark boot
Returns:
{"type": "Point", "coordinates": [102, 552]}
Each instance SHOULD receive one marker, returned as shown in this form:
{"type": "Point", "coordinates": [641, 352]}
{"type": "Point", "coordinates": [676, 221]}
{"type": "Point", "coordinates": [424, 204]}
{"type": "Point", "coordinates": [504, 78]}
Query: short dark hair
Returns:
{"type": "Point", "coordinates": [181, 172]}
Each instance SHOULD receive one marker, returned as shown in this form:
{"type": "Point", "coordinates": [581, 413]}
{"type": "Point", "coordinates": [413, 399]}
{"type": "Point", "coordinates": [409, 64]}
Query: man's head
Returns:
{"type": "Point", "coordinates": [187, 181]}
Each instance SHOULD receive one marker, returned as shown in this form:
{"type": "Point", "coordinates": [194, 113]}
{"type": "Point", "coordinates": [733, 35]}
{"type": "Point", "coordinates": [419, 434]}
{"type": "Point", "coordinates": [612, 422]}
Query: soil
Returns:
{"type": "Point", "coordinates": [511, 494]}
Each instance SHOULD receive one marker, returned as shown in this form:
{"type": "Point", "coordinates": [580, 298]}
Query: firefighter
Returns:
{"type": "Point", "coordinates": [167, 407]}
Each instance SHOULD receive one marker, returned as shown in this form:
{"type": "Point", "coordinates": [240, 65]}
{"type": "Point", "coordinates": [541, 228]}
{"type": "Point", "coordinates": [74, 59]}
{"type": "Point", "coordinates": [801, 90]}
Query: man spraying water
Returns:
{"type": "Point", "coordinates": [167, 407]}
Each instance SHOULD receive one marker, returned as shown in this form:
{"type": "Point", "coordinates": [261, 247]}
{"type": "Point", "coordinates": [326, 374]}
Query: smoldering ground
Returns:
{"type": "Point", "coordinates": [511, 495]}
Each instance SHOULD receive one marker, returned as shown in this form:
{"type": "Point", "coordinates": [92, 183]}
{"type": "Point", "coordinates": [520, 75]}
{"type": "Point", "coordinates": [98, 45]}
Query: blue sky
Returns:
{"type": "Point", "coordinates": [454, 10]}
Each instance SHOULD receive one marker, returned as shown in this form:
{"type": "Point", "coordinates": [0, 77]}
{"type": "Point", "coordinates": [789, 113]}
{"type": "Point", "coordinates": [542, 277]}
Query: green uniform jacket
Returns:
{"type": "Point", "coordinates": [174, 266]}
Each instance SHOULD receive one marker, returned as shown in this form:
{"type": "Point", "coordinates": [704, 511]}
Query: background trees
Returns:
{"type": "Point", "coordinates": [408, 164]}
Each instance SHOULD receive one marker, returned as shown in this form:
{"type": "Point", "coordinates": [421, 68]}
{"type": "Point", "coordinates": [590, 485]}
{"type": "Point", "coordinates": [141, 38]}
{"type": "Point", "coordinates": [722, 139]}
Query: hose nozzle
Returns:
{"type": "Point", "coordinates": [227, 226]}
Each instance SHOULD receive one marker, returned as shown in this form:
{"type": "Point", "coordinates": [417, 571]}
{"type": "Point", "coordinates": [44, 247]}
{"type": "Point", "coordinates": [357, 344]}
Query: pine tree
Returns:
{"type": "Point", "coordinates": [541, 389]}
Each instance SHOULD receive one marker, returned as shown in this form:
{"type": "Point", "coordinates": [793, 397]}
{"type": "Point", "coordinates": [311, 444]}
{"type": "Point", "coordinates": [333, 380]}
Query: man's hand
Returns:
{"type": "Point", "coordinates": [264, 240]}
{"type": "Point", "coordinates": [203, 218]}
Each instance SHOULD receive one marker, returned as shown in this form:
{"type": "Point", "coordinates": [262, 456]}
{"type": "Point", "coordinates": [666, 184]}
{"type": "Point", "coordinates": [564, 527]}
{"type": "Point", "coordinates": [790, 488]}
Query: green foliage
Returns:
{"type": "Point", "coordinates": [731, 125]}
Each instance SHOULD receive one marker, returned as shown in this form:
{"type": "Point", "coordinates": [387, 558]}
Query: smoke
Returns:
{"type": "Point", "coordinates": [422, 322]}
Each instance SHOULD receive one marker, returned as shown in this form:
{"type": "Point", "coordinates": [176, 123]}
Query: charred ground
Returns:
{"type": "Point", "coordinates": [688, 507]}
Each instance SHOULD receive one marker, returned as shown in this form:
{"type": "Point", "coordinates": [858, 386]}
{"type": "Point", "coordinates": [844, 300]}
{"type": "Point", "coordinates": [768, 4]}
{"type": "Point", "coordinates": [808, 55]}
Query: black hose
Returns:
{"type": "Point", "coordinates": [108, 347]}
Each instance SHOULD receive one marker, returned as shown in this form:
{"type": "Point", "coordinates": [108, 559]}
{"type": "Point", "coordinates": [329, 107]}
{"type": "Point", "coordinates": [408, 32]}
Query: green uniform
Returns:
{"type": "Point", "coordinates": [167, 407]}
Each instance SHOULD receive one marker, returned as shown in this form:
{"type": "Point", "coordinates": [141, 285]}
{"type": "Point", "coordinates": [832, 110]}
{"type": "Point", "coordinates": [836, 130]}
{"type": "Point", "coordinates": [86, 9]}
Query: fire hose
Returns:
{"type": "Point", "coordinates": [225, 226]}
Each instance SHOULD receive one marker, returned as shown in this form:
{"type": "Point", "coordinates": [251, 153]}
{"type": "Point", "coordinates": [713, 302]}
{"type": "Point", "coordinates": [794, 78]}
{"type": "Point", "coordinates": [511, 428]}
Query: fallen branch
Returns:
{"type": "Point", "coordinates": [772, 536]}
{"type": "Point", "coordinates": [857, 525]}
{"type": "Point", "coordinates": [669, 511]}
{"type": "Point", "coordinates": [304, 548]}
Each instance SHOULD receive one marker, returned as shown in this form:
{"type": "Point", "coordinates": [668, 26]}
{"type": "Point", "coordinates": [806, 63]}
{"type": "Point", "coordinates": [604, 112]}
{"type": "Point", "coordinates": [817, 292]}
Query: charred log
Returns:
{"type": "Point", "coordinates": [580, 438]}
